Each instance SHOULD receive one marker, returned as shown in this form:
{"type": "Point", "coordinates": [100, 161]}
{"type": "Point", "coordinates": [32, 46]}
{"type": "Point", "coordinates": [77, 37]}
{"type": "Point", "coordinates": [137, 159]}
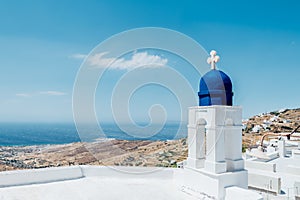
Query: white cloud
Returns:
{"type": "Point", "coordinates": [78, 56]}
{"type": "Point", "coordinates": [23, 95]}
{"type": "Point", "coordinates": [140, 59]}
{"type": "Point", "coordinates": [52, 93]}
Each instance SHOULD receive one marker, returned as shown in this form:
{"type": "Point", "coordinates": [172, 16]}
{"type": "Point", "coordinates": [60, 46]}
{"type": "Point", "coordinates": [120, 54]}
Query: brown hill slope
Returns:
{"type": "Point", "coordinates": [135, 153]}
{"type": "Point", "coordinates": [284, 120]}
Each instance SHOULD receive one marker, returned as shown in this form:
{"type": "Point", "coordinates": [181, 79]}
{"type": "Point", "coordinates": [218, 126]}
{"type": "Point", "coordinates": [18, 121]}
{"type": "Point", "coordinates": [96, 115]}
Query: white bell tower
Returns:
{"type": "Point", "coordinates": [215, 160]}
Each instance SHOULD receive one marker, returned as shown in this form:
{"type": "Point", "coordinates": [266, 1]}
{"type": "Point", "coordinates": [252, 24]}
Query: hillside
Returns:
{"type": "Point", "coordinates": [135, 153]}
{"type": "Point", "coordinates": [115, 152]}
{"type": "Point", "coordinates": [284, 120]}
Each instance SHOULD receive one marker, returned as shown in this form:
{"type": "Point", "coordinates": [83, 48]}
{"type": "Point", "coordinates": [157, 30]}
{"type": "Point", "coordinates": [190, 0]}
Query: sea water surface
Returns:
{"type": "Point", "coordinates": [17, 134]}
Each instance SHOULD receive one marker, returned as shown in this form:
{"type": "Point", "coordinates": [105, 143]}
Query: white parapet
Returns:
{"type": "Point", "coordinates": [266, 166]}
{"type": "Point", "coordinates": [263, 180]}
{"type": "Point", "coordinates": [26, 177]}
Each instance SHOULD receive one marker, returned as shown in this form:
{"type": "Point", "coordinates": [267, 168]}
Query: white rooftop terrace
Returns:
{"type": "Point", "coordinates": [279, 174]}
{"type": "Point", "coordinates": [100, 182]}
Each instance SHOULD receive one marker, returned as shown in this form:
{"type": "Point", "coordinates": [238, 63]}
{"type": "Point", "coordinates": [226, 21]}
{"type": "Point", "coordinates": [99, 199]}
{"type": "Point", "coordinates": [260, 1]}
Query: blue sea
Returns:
{"type": "Point", "coordinates": [23, 134]}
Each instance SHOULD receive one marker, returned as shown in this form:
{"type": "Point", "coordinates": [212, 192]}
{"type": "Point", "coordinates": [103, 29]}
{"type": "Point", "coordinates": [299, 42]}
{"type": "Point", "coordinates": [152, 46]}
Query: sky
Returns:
{"type": "Point", "coordinates": [43, 44]}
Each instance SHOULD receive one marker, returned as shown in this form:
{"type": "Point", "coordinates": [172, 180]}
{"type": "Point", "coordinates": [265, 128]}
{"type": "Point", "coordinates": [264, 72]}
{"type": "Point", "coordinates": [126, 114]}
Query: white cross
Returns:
{"type": "Point", "coordinates": [213, 59]}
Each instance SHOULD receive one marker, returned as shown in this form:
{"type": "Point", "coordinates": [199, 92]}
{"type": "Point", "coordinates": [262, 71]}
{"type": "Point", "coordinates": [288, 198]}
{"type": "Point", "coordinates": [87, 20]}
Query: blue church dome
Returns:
{"type": "Point", "coordinates": [215, 89]}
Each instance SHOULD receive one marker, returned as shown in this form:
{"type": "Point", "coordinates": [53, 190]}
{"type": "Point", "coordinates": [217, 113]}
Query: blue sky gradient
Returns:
{"type": "Point", "coordinates": [258, 41]}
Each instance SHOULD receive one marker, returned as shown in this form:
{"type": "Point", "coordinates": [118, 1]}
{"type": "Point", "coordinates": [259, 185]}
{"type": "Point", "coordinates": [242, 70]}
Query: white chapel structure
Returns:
{"type": "Point", "coordinates": [215, 137]}
{"type": "Point", "coordinates": [215, 126]}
